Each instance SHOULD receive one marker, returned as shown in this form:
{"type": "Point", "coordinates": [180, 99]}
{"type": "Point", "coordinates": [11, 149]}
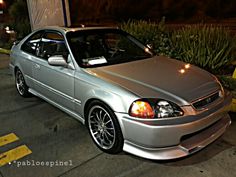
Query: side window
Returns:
{"type": "Point", "coordinates": [30, 46]}
{"type": "Point", "coordinates": [52, 44]}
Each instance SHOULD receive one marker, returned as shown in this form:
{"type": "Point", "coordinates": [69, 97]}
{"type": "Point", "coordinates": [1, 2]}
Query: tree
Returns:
{"type": "Point", "coordinates": [20, 18]}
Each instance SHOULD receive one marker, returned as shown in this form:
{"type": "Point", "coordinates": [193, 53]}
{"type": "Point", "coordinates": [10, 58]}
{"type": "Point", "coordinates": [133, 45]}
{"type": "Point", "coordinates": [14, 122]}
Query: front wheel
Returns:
{"type": "Point", "coordinates": [104, 128]}
{"type": "Point", "coordinates": [21, 86]}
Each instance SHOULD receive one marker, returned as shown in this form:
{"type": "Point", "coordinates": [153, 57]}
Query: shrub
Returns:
{"type": "Point", "coordinates": [4, 37]}
{"type": "Point", "coordinates": [229, 83]}
{"type": "Point", "coordinates": [209, 47]}
{"type": "Point", "coordinates": [150, 33]}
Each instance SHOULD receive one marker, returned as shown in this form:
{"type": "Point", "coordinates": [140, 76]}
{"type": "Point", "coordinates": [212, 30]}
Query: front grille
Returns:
{"type": "Point", "coordinates": [189, 136]}
{"type": "Point", "coordinates": [194, 141]}
{"type": "Point", "coordinates": [206, 101]}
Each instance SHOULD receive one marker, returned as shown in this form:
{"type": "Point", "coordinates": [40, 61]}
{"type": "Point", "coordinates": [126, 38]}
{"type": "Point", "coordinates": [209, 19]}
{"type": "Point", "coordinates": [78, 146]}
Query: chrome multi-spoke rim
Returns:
{"type": "Point", "coordinates": [20, 83]}
{"type": "Point", "coordinates": [101, 127]}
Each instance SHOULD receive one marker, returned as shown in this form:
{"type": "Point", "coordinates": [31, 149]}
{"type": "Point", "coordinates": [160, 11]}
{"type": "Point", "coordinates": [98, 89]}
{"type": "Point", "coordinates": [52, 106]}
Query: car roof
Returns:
{"type": "Point", "coordinates": [67, 29]}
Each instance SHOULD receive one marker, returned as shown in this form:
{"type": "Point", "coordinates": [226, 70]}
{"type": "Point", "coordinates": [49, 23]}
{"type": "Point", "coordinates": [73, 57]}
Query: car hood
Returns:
{"type": "Point", "coordinates": [160, 77]}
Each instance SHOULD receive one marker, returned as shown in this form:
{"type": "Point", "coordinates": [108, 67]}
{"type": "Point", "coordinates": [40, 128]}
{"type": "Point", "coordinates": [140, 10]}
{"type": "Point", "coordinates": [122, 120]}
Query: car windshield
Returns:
{"type": "Point", "coordinates": [93, 48]}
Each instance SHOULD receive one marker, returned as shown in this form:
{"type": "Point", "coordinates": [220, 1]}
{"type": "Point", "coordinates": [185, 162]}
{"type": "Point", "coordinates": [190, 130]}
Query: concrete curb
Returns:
{"type": "Point", "coordinates": [4, 51]}
{"type": "Point", "coordinates": [233, 105]}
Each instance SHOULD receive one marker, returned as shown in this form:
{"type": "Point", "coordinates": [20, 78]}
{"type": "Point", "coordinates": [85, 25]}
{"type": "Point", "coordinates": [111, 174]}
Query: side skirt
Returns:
{"type": "Point", "coordinates": [71, 113]}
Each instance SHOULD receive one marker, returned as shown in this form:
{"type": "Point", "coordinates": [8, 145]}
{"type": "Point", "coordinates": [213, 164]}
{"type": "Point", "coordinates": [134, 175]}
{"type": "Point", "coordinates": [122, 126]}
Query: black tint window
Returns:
{"type": "Point", "coordinates": [31, 44]}
{"type": "Point", "coordinates": [52, 44]}
{"type": "Point", "coordinates": [92, 48]}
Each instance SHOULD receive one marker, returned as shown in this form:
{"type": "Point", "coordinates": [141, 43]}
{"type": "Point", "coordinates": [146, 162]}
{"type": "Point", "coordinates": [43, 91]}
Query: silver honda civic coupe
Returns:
{"type": "Point", "coordinates": [129, 98]}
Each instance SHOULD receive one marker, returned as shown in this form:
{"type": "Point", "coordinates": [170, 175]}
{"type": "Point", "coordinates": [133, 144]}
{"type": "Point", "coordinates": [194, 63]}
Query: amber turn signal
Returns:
{"type": "Point", "coordinates": [141, 109]}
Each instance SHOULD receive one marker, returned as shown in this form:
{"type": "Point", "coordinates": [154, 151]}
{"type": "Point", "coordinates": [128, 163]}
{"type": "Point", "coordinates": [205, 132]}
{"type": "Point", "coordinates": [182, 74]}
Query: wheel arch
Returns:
{"type": "Point", "coordinates": [15, 69]}
{"type": "Point", "coordinates": [89, 101]}
{"type": "Point", "coordinates": [18, 67]}
{"type": "Point", "coordinates": [119, 137]}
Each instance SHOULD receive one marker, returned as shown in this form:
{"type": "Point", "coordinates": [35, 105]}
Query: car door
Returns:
{"type": "Point", "coordinates": [28, 56]}
{"type": "Point", "coordinates": [55, 83]}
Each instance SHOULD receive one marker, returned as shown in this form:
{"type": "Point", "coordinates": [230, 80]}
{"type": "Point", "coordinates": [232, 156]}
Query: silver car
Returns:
{"type": "Point", "coordinates": [129, 98]}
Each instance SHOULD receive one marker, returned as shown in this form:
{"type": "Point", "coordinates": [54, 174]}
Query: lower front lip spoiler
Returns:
{"type": "Point", "coordinates": [186, 147]}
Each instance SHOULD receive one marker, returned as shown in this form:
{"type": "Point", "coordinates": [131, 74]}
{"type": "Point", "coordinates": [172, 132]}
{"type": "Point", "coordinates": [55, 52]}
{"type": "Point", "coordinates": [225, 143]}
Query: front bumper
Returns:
{"type": "Point", "coordinates": [169, 141]}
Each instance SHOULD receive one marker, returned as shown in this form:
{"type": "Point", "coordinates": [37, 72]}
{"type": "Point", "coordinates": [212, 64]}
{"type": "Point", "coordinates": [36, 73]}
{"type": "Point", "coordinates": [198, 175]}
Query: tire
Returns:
{"type": "Point", "coordinates": [21, 86]}
{"type": "Point", "coordinates": [104, 128]}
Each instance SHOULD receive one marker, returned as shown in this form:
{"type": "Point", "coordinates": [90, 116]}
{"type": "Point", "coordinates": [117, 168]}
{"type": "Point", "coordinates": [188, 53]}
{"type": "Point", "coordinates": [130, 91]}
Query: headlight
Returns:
{"type": "Point", "coordinates": [154, 108]}
{"type": "Point", "coordinates": [167, 109]}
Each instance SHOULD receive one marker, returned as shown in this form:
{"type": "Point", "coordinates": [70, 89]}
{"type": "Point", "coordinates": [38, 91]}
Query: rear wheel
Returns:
{"type": "Point", "coordinates": [21, 86]}
{"type": "Point", "coordinates": [104, 128]}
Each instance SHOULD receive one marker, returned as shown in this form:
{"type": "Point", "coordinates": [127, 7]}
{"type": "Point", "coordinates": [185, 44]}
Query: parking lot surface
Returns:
{"type": "Point", "coordinates": [39, 140]}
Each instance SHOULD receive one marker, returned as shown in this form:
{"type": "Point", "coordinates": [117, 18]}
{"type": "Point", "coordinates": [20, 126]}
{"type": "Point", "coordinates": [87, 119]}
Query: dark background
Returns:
{"type": "Point", "coordinates": [174, 10]}
{"type": "Point", "coordinates": [191, 11]}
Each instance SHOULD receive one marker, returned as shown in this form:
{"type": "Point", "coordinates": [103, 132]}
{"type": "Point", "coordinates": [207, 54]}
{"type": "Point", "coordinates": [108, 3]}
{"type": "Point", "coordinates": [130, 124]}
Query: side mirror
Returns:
{"type": "Point", "coordinates": [16, 42]}
{"type": "Point", "coordinates": [57, 60]}
{"type": "Point", "coordinates": [150, 46]}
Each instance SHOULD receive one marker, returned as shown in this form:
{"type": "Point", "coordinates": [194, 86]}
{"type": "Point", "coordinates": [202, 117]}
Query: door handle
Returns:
{"type": "Point", "coordinates": [37, 66]}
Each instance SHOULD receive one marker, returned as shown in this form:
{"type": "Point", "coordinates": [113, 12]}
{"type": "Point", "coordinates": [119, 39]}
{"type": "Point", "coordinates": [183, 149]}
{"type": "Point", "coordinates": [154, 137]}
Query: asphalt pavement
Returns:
{"type": "Point", "coordinates": [49, 143]}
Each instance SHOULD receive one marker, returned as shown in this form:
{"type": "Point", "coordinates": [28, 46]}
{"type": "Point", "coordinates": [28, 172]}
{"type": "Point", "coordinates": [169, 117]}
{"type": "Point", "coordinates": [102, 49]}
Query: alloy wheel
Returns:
{"type": "Point", "coordinates": [101, 127]}
{"type": "Point", "coordinates": [20, 82]}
